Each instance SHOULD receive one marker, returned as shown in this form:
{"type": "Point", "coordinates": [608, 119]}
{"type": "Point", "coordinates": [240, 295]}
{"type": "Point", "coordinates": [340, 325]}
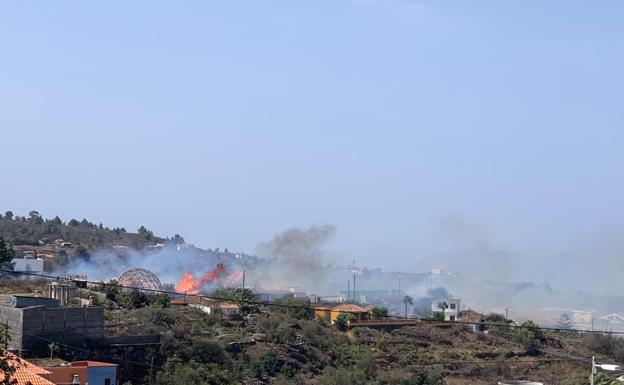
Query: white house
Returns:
{"type": "Point", "coordinates": [34, 266]}
{"type": "Point", "coordinates": [448, 306]}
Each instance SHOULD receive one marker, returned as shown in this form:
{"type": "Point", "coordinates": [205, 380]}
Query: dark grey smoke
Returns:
{"type": "Point", "coordinates": [298, 246]}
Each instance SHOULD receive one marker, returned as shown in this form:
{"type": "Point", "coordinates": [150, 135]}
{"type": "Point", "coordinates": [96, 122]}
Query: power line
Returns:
{"type": "Point", "coordinates": [75, 348]}
{"type": "Point", "coordinates": [300, 307]}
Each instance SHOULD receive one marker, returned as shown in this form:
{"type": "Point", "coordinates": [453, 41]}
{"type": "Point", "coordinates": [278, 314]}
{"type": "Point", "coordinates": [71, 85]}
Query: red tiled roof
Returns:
{"type": "Point", "coordinates": [25, 372]}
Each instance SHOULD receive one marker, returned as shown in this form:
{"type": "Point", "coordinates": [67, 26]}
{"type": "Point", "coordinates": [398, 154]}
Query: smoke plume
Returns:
{"type": "Point", "coordinates": [298, 246]}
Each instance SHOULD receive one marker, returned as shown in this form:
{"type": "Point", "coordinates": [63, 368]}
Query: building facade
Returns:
{"type": "Point", "coordinates": [450, 307]}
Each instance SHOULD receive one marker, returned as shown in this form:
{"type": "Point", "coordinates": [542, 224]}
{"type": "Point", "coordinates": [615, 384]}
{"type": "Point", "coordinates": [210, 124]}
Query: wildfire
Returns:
{"type": "Point", "coordinates": [188, 283]}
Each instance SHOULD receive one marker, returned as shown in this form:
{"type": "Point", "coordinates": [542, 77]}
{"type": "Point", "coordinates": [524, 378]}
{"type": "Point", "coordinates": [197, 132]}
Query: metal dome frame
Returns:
{"type": "Point", "coordinates": [141, 279]}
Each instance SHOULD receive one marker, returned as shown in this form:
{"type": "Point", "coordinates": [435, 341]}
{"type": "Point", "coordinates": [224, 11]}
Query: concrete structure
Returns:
{"type": "Point", "coordinates": [62, 292]}
{"type": "Point", "coordinates": [25, 373]}
{"type": "Point", "coordinates": [450, 307]}
{"type": "Point", "coordinates": [21, 301]}
{"type": "Point", "coordinates": [27, 326]}
{"type": "Point", "coordinates": [88, 372]}
{"type": "Point", "coordinates": [278, 294]}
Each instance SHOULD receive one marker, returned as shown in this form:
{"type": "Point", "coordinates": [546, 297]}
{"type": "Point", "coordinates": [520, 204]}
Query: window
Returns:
{"type": "Point", "coordinates": [452, 306]}
{"type": "Point", "coordinates": [441, 305]}
{"type": "Point", "coordinates": [107, 381]}
{"type": "Point", "coordinates": [452, 318]}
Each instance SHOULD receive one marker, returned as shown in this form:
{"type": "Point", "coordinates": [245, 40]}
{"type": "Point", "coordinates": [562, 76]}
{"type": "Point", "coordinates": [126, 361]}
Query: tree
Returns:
{"type": "Point", "coordinates": [438, 292]}
{"type": "Point", "coordinates": [379, 312]}
{"type": "Point", "coordinates": [434, 378]}
{"type": "Point", "coordinates": [136, 299]}
{"type": "Point", "coordinates": [163, 300]}
{"type": "Point", "coordinates": [407, 300]}
{"type": "Point", "coordinates": [83, 253]}
{"type": "Point", "coordinates": [62, 259]}
{"type": "Point", "coordinates": [529, 336]}
{"type": "Point", "coordinates": [145, 232]}
{"type": "Point", "coordinates": [35, 217]}
{"type": "Point", "coordinates": [111, 290]}
{"type": "Point", "coordinates": [422, 307]}
{"type": "Point", "coordinates": [8, 215]}
{"type": "Point", "coordinates": [177, 239]}
{"type": "Point", "coordinates": [342, 321]}
{"type": "Point", "coordinates": [6, 368]}
{"type": "Point", "coordinates": [6, 255]}
{"type": "Point", "coordinates": [564, 322]}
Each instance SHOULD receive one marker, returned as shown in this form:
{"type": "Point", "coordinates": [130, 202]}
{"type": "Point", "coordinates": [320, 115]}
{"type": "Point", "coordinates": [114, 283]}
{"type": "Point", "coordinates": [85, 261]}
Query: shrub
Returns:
{"type": "Point", "coordinates": [342, 321]}
{"type": "Point", "coordinates": [529, 336]}
{"type": "Point", "coordinates": [434, 378]}
{"type": "Point", "coordinates": [379, 312]}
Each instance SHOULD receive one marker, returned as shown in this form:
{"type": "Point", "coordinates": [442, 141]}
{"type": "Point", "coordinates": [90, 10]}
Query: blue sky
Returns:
{"type": "Point", "coordinates": [229, 121]}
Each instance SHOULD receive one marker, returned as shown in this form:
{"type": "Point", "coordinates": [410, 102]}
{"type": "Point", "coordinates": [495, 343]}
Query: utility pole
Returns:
{"type": "Point", "coordinates": [151, 374]}
{"type": "Point", "coordinates": [591, 381]}
{"type": "Point", "coordinates": [5, 335]}
{"type": "Point", "coordinates": [243, 279]}
{"type": "Point", "coordinates": [399, 284]}
{"type": "Point", "coordinates": [354, 297]}
{"type": "Point", "coordinates": [506, 314]}
{"type": "Point", "coordinates": [348, 290]}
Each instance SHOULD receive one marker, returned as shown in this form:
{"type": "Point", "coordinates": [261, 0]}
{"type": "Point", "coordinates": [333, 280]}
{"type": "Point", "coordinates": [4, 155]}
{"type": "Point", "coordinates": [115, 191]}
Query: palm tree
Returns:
{"type": "Point", "coordinates": [407, 300]}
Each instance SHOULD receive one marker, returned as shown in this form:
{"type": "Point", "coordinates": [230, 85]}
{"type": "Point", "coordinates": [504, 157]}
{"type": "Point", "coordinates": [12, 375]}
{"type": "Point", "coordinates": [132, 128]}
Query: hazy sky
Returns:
{"type": "Point", "coordinates": [418, 128]}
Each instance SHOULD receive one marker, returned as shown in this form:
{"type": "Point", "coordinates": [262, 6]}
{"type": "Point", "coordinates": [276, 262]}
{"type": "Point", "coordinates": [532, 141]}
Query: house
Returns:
{"type": "Point", "coordinates": [448, 306]}
{"type": "Point", "coordinates": [278, 294]}
{"type": "Point", "coordinates": [208, 306]}
{"type": "Point", "coordinates": [27, 265]}
{"type": "Point", "coordinates": [613, 318]}
{"type": "Point", "coordinates": [322, 312]}
{"type": "Point", "coordinates": [330, 312]}
{"type": "Point", "coordinates": [583, 319]}
{"type": "Point", "coordinates": [25, 372]}
{"type": "Point", "coordinates": [87, 372]}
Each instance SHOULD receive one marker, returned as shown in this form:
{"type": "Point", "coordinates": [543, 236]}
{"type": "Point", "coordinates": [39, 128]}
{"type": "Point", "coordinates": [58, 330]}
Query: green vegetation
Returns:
{"type": "Point", "coordinates": [407, 300]}
{"type": "Point", "coordinates": [6, 254]}
{"type": "Point", "coordinates": [277, 346]}
{"type": "Point", "coordinates": [564, 322]}
{"type": "Point", "coordinates": [529, 336]}
{"type": "Point", "coordinates": [379, 313]}
{"type": "Point", "coordinates": [32, 230]}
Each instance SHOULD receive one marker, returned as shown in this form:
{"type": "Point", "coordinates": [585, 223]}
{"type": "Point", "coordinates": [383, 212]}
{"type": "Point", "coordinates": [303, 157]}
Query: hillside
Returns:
{"type": "Point", "coordinates": [272, 345]}
{"type": "Point", "coordinates": [35, 230]}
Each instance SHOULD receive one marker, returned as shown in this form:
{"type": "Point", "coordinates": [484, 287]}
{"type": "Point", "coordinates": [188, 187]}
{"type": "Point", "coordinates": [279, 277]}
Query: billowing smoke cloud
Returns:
{"type": "Point", "coordinates": [169, 263]}
{"type": "Point", "coordinates": [298, 246]}
{"type": "Point", "coordinates": [295, 259]}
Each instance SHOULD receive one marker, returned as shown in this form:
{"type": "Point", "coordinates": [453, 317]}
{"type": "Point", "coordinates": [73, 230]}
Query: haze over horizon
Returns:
{"type": "Point", "coordinates": [482, 137]}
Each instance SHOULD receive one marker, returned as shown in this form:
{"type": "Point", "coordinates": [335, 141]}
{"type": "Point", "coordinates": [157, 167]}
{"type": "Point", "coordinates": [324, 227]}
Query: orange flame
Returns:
{"type": "Point", "coordinates": [188, 283]}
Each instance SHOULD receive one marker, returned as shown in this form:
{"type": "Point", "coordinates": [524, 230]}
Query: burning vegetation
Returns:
{"type": "Point", "coordinates": [218, 276]}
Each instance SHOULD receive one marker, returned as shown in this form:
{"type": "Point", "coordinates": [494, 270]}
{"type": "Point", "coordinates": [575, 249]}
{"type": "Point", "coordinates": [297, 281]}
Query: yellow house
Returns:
{"type": "Point", "coordinates": [329, 313]}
